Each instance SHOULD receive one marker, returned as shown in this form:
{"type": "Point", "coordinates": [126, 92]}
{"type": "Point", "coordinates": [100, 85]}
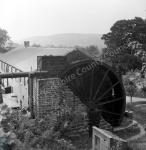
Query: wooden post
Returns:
{"type": "Point", "coordinates": [31, 97]}
{"type": "Point", "coordinates": [1, 97]}
{"type": "Point", "coordinates": [94, 117]}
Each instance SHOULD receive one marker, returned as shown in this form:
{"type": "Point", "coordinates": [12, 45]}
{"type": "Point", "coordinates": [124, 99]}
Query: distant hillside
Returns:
{"type": "Point", "coordinates": [68, 39]}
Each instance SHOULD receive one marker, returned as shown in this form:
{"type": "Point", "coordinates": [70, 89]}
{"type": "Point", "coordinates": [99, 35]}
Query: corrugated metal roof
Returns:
{"type": "Point", "coordinates": [26, 58]}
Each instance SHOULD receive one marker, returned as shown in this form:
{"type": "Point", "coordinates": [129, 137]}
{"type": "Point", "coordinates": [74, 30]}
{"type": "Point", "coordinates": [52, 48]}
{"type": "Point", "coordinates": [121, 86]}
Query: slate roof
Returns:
{"type": "Point", "coordinates": [26, 58]}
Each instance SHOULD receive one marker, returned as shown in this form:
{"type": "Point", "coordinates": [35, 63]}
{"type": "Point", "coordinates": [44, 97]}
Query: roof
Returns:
{"type": "Point", "coordinates": [26, 58]}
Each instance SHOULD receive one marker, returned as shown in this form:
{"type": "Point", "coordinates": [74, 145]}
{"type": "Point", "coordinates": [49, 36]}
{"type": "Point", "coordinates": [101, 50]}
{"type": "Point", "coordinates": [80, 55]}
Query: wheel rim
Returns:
{"type": "Point", "coordinates": [98, 86]}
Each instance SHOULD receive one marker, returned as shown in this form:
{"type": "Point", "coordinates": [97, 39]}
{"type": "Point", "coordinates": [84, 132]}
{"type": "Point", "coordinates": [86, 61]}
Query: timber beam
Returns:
{"type": "Point", "coordinates": [22, 74]}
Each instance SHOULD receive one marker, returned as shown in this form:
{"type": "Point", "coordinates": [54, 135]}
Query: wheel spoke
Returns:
{"type": "Point", "coordinates": [77, 92]}
{"type": "Point", "coordinates": [111, 101]}
{"type": "Point", "coordinates": [107, 91]}
{"type": "Point", "coordinates": [96, 92]}
{"type": "Point", "coordinates": [81, 81]}
{"type": "Point", "coordinates": [109, 112]}
{"type": "Point", "coordinates": [106, 97]}
{"type": "Point", "coordinates": [72, 84]}
{"type": "Point", "coordinates": [101, 84]}
{"type": "Point", "coordinates": [91, 85]}
{"type": "Point", "coordinates": [104, 84]}
{"type": "Point", "coordinates": [77, 89]}
{"type": "Point", "coordinates": [105, 114]}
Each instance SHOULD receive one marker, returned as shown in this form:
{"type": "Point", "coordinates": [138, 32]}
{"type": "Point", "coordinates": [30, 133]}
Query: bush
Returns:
{"type": "Point", "coordinates": [130, 88]}
{"type": "Point", "coordinates": [3, 50]}
{"type": "Point", "coordinates": [36, 45]}
{"type": "Point", "coordinates": [7, 136]}
{"type": "Point", "coordinates": [23, 133]}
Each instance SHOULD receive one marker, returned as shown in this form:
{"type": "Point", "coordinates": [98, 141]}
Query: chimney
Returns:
{"type": "Point", "coordinates": [26, 43]}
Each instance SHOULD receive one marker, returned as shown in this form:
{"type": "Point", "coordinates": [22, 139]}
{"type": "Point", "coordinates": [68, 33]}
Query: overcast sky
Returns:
{"type": "Point", "coordinates": [26, 18]}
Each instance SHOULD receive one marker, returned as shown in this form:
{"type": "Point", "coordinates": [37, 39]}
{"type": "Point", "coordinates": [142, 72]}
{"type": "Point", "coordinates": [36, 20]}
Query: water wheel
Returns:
{"type": "Point", "coordinates": [98, 86]}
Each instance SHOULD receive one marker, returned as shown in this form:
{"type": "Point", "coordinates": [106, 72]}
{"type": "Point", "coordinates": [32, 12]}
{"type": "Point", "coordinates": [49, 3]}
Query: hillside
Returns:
{"type": "Point", "coordinates": [68, 39]}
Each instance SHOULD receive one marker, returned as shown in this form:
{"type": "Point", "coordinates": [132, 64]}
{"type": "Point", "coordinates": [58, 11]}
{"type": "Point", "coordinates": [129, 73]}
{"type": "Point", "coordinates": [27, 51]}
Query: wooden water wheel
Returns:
{"type": "Point", "coordinates": [98, 86]}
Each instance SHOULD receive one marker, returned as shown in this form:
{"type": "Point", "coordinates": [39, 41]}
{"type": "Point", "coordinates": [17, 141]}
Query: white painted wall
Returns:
{"type": "Point", "coordinates": [19, 88]}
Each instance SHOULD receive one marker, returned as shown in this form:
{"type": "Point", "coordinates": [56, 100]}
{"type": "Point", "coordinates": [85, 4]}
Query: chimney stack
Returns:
{"type": "Point", "coordinates": [26, 43]}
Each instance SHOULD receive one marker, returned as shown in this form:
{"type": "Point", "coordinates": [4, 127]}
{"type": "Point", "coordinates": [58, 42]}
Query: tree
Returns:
{"type": "Point", "coordinates": [127, 62]}
{"type": "Point", "coordinates": [36, 45]}
{"type": "Point", "coordinates": [143, 89]}
{"type": "Point", "coordinates": [124, 40]}
{"type": "Point", "coordinates": [3, 37]}
{"type": "Point", "coordinates": [91, 50]}
{"type": "Point", "coordinates": [125, 31]}
{"type": "Point", "coordinates": [130, 88]}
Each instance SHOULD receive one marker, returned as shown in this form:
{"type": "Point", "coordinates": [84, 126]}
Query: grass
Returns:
{"type": "Point", "coordinates": [139, 114]}
{"type": "Point", "coordinates": [139, 144]}
{"type": "Point", "coordinates": [83, 142]}
{"type": "Point", "coordinates": [128, 133]}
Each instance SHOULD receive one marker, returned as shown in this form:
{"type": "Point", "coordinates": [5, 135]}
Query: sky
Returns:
{"type": "Point", "coordinates": [27, 18]}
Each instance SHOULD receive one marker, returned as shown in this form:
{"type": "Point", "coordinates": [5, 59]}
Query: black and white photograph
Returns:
{"type": "Point", "coordinates": [72, 74]}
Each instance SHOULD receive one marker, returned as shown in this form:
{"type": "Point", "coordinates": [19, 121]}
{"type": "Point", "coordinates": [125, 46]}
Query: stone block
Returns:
{"type": "Point", "coordinates": [105, 140]}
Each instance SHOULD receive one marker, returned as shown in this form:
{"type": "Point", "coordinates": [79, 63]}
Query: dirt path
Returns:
{"type": "Point", "coordinates": [134, 99]}
{"type": "Point", "coordinates": [142, 132]}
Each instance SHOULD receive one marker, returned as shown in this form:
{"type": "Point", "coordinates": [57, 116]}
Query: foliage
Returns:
{"type": "Point", "coordinates": [130, 88]}
{"type": "Point", "coordinates": [35, 134]}
{"type": "Point", "coordinates": [7, 136]}
{"type": "Point", "coordinates": [123, 41]}
{"type": "Point", "coordinates": [139, 114]}
{"type": "Point", "coordinates": [3, 50]}
{"type": "Point", "coordinates": [129, 132]}
{"type": "Point", "coordinates": [127, 62]}
{"type": "Point", "coordinates": [36, 45]}
{"type": "Point", "coordinates": [143, 89]}
{"type": "Point", "coordinates": [135, 77]}
{"type": "Point", "coordinates": [3, 37]}
{"type": "Point", "coordinates": [6, 139]}
{"type": "Point", "coordinates": [123, 30]}
{"type": "Point", "coordinates": [91, 50]}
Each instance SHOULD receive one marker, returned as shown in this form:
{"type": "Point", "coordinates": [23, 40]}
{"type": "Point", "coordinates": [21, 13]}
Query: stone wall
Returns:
{"type": "Point", "coordinates": [51, 98]}
{"type": "Point", "coordinates": [105, 140]}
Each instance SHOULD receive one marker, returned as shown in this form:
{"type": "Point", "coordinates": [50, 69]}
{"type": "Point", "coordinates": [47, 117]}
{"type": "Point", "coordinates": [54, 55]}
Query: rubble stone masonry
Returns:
{"type": "Point", "coordinates": [49, 93]}
{"type": "Point", "coordinates": [52, 98]}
